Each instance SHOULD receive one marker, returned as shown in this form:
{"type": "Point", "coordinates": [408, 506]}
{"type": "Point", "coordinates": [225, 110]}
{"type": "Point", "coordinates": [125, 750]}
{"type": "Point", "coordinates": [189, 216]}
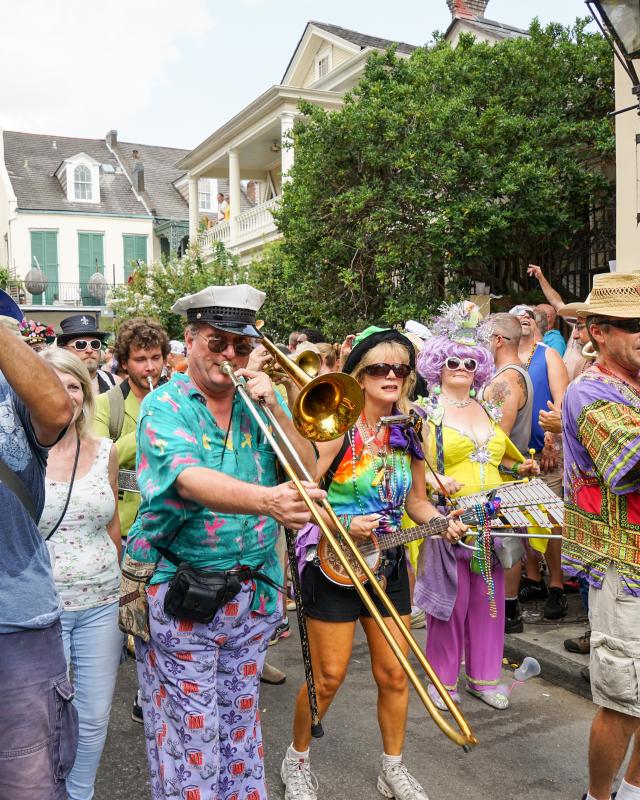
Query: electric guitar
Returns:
{"type": "Point", "coordinates": [372, 547]}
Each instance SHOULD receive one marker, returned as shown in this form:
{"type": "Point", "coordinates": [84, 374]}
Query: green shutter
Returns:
{"type": "Point", "coordinates": [90, 260]}
{"type": "Point", "coordinates": [44, 247]}
{"type": "Point", "coordinates": [135, 249]}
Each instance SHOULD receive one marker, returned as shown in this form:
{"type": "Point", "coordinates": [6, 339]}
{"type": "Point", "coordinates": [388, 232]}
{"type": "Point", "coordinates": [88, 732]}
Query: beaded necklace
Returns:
{"type": "Point", "coordinates": [385, 463]}
{"type": "Point", "coordinates": [528, 362]}
{"type": "Point", "coordinates": [482, 556]}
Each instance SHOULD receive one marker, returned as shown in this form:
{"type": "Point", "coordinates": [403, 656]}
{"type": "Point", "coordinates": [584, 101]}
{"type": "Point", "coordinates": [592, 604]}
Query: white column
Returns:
{"type": "Point", "coordinates": [234, 194]}
{"type": "Point", "coordinates": [193, 209]}
{"type": "Point", "coordinates": [286, 154]}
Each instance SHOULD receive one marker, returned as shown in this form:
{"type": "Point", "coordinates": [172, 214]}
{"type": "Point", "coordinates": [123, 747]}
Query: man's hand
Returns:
{"type": "Point", "coordinates": [258, 359]}
{"type": "Point", "coordinates": [551, 420]}
{"type": "Point", "coordinates": [259, 387]}
{"type": "Point", "coordinates": [345, 349]}
{"type": "Point", "coordinates": [548, 457]}
{"type": "Point", "coordinates": [456, 529]}
{"type": "Point", "coordinates": [363, 526]}
{"type": "Point", "coordinates": [286, 505]}
{"type": "Point", "coordinates": [534, 271]}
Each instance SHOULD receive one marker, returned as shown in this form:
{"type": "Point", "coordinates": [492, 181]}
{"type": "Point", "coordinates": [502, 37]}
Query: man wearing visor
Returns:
{"type": "Point", "coordinates": [211, 500]}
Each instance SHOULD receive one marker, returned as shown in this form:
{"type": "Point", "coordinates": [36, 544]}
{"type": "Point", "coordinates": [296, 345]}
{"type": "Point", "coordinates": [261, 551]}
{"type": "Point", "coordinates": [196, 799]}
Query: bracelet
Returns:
{"type": "Point", "coordinates": [513, 470]}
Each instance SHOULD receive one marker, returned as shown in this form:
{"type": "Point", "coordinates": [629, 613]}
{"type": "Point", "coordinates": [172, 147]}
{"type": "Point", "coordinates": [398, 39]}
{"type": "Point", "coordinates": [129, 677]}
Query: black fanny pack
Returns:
{"type": "Point", "coordinates": [197, 594]}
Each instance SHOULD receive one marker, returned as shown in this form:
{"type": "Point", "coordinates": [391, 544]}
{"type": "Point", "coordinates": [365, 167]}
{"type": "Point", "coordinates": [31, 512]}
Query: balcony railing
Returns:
{"type": "Point", "coordinates": [247, 227]}
{"type": "Point", "coordinates": [61, 293]}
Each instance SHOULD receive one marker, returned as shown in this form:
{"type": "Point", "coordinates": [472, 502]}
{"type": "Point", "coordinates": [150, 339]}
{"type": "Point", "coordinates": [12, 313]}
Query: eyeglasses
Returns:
{"type": "Point", "coordinates": [453, 363]}
{"type": "Point", "coordinates": [382, 370]}
{"type": "Point", "coordinates": [631, 325]}
{"type": "Point", "coordinates": [82, 344]}
{"type": "Point", "coordinates": [218, 344]}
{"type": "Point", "coordinates": [502, 336]}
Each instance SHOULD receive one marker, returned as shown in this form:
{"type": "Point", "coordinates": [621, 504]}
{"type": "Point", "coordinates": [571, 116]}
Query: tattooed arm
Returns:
{"type": "Point", "coordinates": [508, 391]}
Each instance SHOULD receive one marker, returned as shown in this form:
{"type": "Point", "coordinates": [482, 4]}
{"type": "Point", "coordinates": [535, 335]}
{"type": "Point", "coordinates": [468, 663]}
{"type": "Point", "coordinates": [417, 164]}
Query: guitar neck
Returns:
{"type": "Point", "coordinates": [434, 527]}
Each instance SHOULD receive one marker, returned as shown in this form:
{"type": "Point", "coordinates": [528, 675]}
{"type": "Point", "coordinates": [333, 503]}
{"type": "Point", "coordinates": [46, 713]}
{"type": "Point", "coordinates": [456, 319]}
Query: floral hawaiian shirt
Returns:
{"type": "Point", "coordinates": [176, 431]}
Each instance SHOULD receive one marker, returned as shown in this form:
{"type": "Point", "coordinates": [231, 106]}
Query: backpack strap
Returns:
{"type": "Point", "coordinates": [117, 396]}
{"type": "Point", "coordinates": [15, 484]}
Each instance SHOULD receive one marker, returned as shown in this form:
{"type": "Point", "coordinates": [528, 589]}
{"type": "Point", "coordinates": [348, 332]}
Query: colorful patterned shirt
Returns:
{"type": "Point", "coordinates": [177, 431]}
{"type": "Point", "coordinates": [601, 436]}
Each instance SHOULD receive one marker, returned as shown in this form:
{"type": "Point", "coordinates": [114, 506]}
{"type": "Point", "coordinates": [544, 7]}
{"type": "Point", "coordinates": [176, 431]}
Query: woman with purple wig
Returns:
{"type": "Point", "coordinates": [463, 595]}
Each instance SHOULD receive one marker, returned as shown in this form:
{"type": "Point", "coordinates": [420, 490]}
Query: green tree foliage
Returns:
{"type": "Point", "coordinates": [452, 165]}
{"type": "Point", "coordinates": [154, 288]}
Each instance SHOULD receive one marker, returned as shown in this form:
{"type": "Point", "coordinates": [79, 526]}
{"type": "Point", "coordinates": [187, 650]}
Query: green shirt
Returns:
{"type": "Point", "coordinates": [177, 431]}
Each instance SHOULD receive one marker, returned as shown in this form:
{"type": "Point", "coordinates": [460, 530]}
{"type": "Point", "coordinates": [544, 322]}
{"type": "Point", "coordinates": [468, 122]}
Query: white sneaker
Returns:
{"type": "Point", "coordinates": [299, 782]}
{"type": "Point", "coordinates": [396, 781]}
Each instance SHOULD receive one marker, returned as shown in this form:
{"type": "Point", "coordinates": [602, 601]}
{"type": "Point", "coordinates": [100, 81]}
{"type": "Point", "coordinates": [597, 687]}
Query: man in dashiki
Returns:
{"type": "Point", "coordinates": [210, 496]}
{"type": "Point", "coordinates": [601, 434]}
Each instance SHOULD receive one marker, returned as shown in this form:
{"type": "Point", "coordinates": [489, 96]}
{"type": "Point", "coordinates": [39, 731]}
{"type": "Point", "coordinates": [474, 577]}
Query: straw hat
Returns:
{"type": "Point", "coordinates": [611, 296]}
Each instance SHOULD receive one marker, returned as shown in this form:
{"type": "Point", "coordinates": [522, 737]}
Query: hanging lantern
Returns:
{"type": "Point", "coordinates": [97, 287]}
{"type": "Point", "coordinates": [36, 282]}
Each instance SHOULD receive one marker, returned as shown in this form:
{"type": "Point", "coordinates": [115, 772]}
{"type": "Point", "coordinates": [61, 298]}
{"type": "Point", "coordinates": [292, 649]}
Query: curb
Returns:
{"type": "Point", "coordinates": [555, 668]}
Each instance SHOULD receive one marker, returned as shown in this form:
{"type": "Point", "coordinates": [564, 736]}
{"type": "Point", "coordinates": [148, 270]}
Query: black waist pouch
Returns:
{"type": "Point", "coordinates": [196, 594]}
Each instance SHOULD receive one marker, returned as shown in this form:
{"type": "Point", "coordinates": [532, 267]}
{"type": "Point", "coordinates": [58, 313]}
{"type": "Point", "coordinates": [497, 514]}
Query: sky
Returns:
{"type": "Point", "coordinates": [170, 73]}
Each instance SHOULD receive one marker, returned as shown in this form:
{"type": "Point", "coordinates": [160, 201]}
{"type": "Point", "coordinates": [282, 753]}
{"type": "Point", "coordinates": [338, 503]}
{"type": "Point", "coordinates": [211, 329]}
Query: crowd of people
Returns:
{"type": "Point", "coordinates": [146, 513]}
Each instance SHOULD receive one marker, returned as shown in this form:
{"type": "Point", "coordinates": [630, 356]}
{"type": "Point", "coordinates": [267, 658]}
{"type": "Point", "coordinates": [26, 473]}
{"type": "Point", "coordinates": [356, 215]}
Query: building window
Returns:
{"type": "Point", "coordinates": [205, 194]}
{"type": "Point", "coordinates": [82, 183]}
{"type": "Point", "coordinates": [323, 66]}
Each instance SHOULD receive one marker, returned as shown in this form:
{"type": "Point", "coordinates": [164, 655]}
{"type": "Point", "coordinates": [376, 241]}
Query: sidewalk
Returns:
{"type": "Point", "coordinates": [542, 639]}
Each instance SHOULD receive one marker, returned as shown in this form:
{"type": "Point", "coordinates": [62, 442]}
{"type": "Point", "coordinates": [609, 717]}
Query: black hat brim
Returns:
{"type": "Point", "coordinates": [390, 335]}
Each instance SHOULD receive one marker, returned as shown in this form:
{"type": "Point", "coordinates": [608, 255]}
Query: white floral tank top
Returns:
{"type": "Point", "coordinates": [86, 569]}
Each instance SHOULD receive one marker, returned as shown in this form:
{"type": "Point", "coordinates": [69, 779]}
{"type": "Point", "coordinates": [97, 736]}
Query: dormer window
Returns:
{"type": "Point", "coordinates": [323, 63]}
{"type": "Point", "coordinates": [82, 183]}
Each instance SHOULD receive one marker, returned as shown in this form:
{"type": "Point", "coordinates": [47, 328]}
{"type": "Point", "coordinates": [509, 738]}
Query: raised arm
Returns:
{"type": "Point", "coordinates": [37, 385]}
{"type": "Point", "coordinates": [553, 297]}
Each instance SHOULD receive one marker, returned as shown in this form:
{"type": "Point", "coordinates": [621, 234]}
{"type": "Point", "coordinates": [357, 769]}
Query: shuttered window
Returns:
{"type": "Point", "coordinates": [135, 250]}
{"type": "Point", "coordinates": [44, 249]}
{"type": "Point", "coordinates": [90, 260]}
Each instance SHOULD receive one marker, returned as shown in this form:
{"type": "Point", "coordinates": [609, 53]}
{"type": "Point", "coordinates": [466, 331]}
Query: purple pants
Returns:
{"type": "Point", "coordinates": [470, 632]}
{"type": "Point", "coordinates": [39, 725]}
{"type": "Point", "coordinates": [199, 688]}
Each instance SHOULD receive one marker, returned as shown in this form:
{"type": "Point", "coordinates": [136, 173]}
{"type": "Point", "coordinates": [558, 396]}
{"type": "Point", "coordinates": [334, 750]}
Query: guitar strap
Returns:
{"type": "Point", "coordinates": [329, 474]}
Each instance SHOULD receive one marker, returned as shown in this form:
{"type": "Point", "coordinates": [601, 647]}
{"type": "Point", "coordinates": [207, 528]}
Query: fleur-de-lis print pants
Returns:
{"type": "Point", "coordinates": [199, 688]}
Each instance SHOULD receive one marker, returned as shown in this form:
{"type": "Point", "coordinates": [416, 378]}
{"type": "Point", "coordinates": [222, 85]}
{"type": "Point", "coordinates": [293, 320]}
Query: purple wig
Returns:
{"type": "Point", "coordinates": [438, 349]}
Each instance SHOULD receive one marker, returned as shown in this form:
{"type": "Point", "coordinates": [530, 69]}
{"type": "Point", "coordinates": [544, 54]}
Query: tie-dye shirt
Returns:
{"type": "Point", "coordinates": [176, 431]}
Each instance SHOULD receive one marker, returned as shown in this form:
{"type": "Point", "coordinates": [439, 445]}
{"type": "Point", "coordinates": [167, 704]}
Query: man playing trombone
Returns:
{"type": "Point", "coordinates": [210, 507]}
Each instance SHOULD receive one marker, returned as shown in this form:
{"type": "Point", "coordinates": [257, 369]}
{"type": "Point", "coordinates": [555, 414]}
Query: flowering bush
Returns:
{"type": "Point", "coordinates": [153, 288]}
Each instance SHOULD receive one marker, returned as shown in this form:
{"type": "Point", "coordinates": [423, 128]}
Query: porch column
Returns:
{"type": "Point", "coordinates": [193, 209]}
{"type": "Point", "coordinates": [234, 195]}
{"type": "Point", "coordinates": [286, 153]}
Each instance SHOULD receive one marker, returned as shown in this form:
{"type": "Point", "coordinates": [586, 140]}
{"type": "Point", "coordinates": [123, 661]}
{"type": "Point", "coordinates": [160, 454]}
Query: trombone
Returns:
{"type": "Point", "coordinates": [326, 408]}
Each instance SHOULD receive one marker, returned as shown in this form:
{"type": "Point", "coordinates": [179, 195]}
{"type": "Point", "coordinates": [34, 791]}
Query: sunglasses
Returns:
{"type": "Point", "coordinates": [218, 344]}
{"type": "Point", "coordinates": [82, 344]}
{"type": "Point", "coordinates": [453, 363]}
{"type": "Point", "coordinates": [631, 325]}
{"type": "Point", "coordinates": [382, 370]}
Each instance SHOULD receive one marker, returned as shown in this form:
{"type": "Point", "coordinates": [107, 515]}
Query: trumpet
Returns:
{"type": "Point", "coordinates": [308, 361]}
{"type": "Point", "coordinates": [326, 408]}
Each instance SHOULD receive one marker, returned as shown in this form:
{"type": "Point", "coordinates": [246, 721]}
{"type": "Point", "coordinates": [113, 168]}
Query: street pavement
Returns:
{"type": "Point", "coordinates": [535, 750]}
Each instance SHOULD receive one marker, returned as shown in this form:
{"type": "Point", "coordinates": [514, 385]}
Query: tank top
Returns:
{"type": "Point", "coordinates": [86, 570]}
{"type": "Point", "coordinates": [541, 394]}
{"type": "Point", "coordinates": [521, 432]}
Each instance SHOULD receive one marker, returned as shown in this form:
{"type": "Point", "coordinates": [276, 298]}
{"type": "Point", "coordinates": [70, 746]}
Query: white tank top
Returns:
{"type": "Point", "coordinates": [86, 569]}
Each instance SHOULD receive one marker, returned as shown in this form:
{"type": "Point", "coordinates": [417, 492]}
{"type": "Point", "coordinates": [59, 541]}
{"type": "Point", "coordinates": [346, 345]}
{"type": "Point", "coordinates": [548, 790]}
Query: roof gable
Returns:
{"type": "Point", "coordinates": [483, 29]}
{"type": "Point", "coordinates": [350, 41]}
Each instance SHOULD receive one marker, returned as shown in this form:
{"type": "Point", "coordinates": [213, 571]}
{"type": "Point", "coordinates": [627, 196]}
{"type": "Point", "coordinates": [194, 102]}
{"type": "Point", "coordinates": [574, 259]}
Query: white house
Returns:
{"type": "Point", "coordinates": [327, 61]}
{"type": "Point", "coordinates": [77, 207]}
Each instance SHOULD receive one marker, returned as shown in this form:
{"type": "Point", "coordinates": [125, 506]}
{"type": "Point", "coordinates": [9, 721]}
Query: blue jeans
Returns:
{"type": "Point", "coordinates": [92, 644]}
{"type": "Point", "coordinates": [39, 725]}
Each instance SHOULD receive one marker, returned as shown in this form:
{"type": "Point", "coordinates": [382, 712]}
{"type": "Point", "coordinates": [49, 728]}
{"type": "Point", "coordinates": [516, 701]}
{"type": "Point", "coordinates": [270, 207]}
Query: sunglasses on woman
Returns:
{"type": "Point", "coordinates": [82, 344]}
{"type": "Point", "coordinates": [453, 363]}
{"type": "Point", "coordinates": [382, 370]}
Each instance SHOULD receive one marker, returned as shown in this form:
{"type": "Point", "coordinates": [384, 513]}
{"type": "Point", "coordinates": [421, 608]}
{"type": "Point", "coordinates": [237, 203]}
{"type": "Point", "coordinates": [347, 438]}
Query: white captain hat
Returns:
{"type": "Point", "coordinates": [229, 308]}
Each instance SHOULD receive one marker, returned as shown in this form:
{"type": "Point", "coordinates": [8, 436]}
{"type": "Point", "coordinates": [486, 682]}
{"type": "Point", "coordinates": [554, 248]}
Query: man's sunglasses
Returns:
{"type": "Point", "coordinates": [382, 370]}
{"type": "Point", "coordinates": [82, 344]}
{"type": "Point", "coordinates": [453, 363]}
{"type": "Point", "coordinates": [218, 344]}
{"type": "Point", "coordinates": [522, 311]}
{"type": "Point", "coordinates": [631, 325]}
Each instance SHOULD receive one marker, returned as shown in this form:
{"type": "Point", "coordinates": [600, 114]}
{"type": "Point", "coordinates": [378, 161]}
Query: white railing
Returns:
{"type": "Point", "coordinates": [256, 221]}
{"type": "Point", "coordinates": [221, 232]}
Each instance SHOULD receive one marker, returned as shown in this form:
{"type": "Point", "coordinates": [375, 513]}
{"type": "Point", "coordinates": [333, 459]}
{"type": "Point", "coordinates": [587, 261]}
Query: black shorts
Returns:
{"type": "Point", "coordinates": [325, 600]}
